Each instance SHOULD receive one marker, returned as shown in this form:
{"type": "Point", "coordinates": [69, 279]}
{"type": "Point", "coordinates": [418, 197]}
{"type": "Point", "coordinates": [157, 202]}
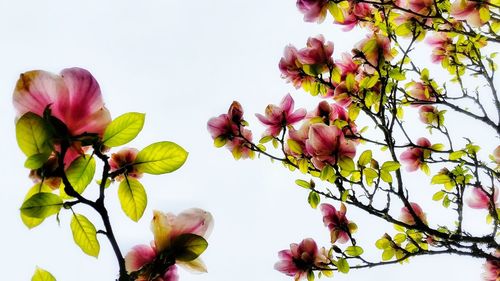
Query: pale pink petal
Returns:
{"type": "Point", "coordinates": [195, 221]}
{"type": "Point", "coordinates": [37, 89]}
{"type": "Point", "coordinates": [139, 256]}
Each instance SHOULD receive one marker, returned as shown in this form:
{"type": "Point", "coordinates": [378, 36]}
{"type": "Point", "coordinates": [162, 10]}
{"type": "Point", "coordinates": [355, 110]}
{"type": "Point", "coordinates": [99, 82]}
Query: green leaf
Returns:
{"type": "Point", "coordinates": [385, 176]}
{"type": "Point", "coordinates": [438, 195]}
{"type": "Point", "coordinates": [36, 161]}
{"type": "Point", "coordinates": [32, 135]}
{"type": "Point", "coordinates": [133, 198]}
{"type": "Point", "coordinates": [327, 173]}
{"type": "Point", "coordinates": [294, 146]}
{"type": "Point", "coordinates": [313, 199]}
{"type": "Point", "coordinates": [160, 158]}
{"type": "Point", "coordinates": [42, 275]}
{"type": "Point", "coordinates": [440, 179]}
{"type": "Point", "coordinates": [187, 247]}
{"type": "Point", "coordinates": [383, 243]}
{"type": "Point", "coordinates": [81, 172]}
{"type": "Point", "coordinates": [336, 12]}
{"type": "Point", "coordinates": [365, 158]}
{"type": "Point", "coordinates": [346, 164]}
{"type": "Point", "coordinates": [399, 238]}
{"type": "Point", "coordinates": [85, 235]}
{"type": "Point", "coordinates": [303, 183]}
{"type": "Point", "coordinates": [343, 265]}
{"type": "Point", "coordinates": [387, 254]}
{"type": "Point", "coordinates": [354, 251]}
{"type": "Point", "coordinates": [41, 205]}
{"type": "Point", "coordinates": [220, 141]}
{"type": "Point", "coordinates": [123, 129]}
{"type": "Point", "coordinates": [37, 188]}
{"type": "Point", "coordinates": [310, 275]}
{"type": "Point", "coordinates": [370, 174]}
{"type": "Point", "coordinates": [390, 166]}
{"type": "Point", "coordinates": [455, 155]}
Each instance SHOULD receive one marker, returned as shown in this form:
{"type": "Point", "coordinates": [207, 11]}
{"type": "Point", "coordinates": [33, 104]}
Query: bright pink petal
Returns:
{"type": "Point", "coordinates": [139, 256]}
{"type": "Point", "coordinates": [171, 274]}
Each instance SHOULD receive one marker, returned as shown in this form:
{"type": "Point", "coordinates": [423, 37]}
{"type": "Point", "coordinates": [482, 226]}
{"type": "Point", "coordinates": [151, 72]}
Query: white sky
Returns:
{"type": "Point", "coordinates": [180, 62]}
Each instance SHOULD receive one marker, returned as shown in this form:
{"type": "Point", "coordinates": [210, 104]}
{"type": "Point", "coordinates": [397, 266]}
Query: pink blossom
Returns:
{"type": "Point", "coordinates": [480, 199]}
{"type": "Point", "coordinates": [326, 144]}
{"type": "Point", "coordinates": [280, 116]}
{"type": "Point", "coordinates": [317, 54]}
{"type": "Point", "coordinates": [428, 114]}
{"type": "Point", "coordinates": [300, 259]}
{"type": "Point", "coordinates": [125, 158]}
{"type": "Point", "coordinates": [376, 49]}
{"type": "Point", "coordinates": [166, 228]}
{"type": "Point", "coordinates": [329, 113]}
{"type": "Point", "coordinates": [347, 65]}
{"type": "Point", "coordinates": [74, 98]}
{"type": "Point", "coordinates": [407, 217]}
{"type": "Point", "coordinates": [299, 137]}
{"type": "Point", "coordinates": [414, 157]}
{"type": "Point", "coordinates": [342, 95]}
{"type": "Point", "coordinates": [440, 42]}
{"type": "Point", "coordinates": [421, 93]}
{"type": "Point", "coordinates": [313, 10]}
{"type": "Point", "coordinates": [291, 68]}
{"type": "Point", "coordinates": [468, 11]}
{"type": "Point", "coordinates": [336, 222]}
{"type": "Point", "coordinates": [229, 129]}
{"type": "Point", "coordinates": [492, 269]}
{"type": "Point", "coordinates": [357, 13]}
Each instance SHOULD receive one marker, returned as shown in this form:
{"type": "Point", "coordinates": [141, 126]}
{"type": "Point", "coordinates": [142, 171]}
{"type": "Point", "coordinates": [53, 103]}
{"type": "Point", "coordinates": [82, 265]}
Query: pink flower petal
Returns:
{"type": "Point", "coordinates": [139, 256]}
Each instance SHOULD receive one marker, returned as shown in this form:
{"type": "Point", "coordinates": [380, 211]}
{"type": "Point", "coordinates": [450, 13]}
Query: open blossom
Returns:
{"type": "Point", "coordinates": [347, 65]}
{"type": "Point", "coordinates": [375, 48]}
{"type": "Point", "coordinates": [291, 68]}
{"type": "Point", "coordinates": [492, 269]}
{"type": "Point", "coordinates": [280, 116]}
{"type": "Point", "coordinates": [421, 92]}
{"type": "Point", "coordinates": [124, 159]}
{"type": "Point", "coordinates": [300, 259]}
{"type": "Point", "coordinates": [313, 10]}
{"type": "Point", "coordinates": [74, 98]}
{"type": "Point", "coordinates": [468, 11]}
{"type": "Point", "coordinates": [299, 137]}
{"type": "Point", "coordinates": [166, 228]}
{"type": "Point", "coordinates": [337, 223]}
{"type": "Point", "coordinates": [479, 199]}
{"type": "Point", "coordinates": [317, 55]}
{"type": "Point", "coordinates": [414, 157]}
{"type": "Point", "coordinates": [358, 13]}
{"type": "Point", "coordinates": [229, 131]}
{"type": "Point", "coordinates": [407, 217]}
{"type": "Point", "coordinates": [440, 43]}
{"type": "Point", "coordinates": [428, 114]}
{"type": "Point", "coordinates": [326, 144]}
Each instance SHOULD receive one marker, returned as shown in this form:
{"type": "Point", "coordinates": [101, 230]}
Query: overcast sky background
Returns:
{"type": "Point", "coordinates": [180, 62]}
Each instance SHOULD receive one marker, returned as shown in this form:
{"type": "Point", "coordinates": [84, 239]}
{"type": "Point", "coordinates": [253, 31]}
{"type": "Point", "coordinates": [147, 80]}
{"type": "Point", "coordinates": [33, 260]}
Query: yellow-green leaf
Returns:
{"type": "Point", "coordinates": [390, 166]}
{"type": "Point", "coordinates": [187, 247]}
{"type": "Point", "coordinates": [343, 265]}
{"type": "Point", "coordinates": [387, 254]}
{"type": "Point", "coordinates": [42, 275]}
{"type": "Point", "coordinates": [133, 198]}
{"type": "Point", "coordinates": [354, 251]}
{"type": "Point", "coordinates": [41, 205]}
{"type": "Point", "coordinates": [85, 235]}
{"type": "Point", "coordinates": [313, 199]}
{"type": "Point", "coordinates": [37, 188]}
{"type": "Point", "coordinates": [303, 183]}
{"type": "Point", "coordinates": [160, 158]}
{"type": "Point", "coordinates": [81, 172]}
{"type": "Point", "coordinates": [123, 129]}
{"type": "Point", "coordinates": [32, 135]}
{"type": "Point", "coordinates": [365, 158]}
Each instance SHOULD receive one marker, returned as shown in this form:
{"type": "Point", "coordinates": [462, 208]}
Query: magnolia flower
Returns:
{"type": "Point", "coordinates": [337, 223]}
{"type": "Point", "coordinates": [299, 137]}
{"type": "Point", "coordinates": [313, 10]}
{"type": "Point", "coordinates": [317, 54]}
{"type": "Point", "coordinates": [326, 144]}
{"type": "Point", "coordinates": [468, 11]}
{"type": "Point", "coordinates": [421, 92]}
{"type": "Point", "coordinates": [342, 95]}
{"type": "Point", "coordinates": [74, 97]}
{"type": "Point", "coordinates": [124, 159]}
{"type": "Point", "coordinates": [166, 229]}
{"type": "Point", "coordinates": [227, 129]}
{"type": "Point", "coordinates": [414, 157]}
{"type": "Point", "coordinates": [440, 42]}
{"type": "Point", "coordinates": [480, 199]}
{"type": "Point", "coordinates": [407, 217]}
{"type": "Point", "coordinates": [300, 259]}
{"type": "Point", "coordinates": [427, 114]}
{"type": "Point", "coordinates": [347, 65]}
{"type": "Point", "coordinates": [492, 269]}
{"type": "Point", "coordinates": [280, 116]}
{"type": "Point", "coordinates": [291, 68]}
{"type": "Point", "coordinates": [358, 13]}
{"type": "Point", "coordinates": [376, 49]}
